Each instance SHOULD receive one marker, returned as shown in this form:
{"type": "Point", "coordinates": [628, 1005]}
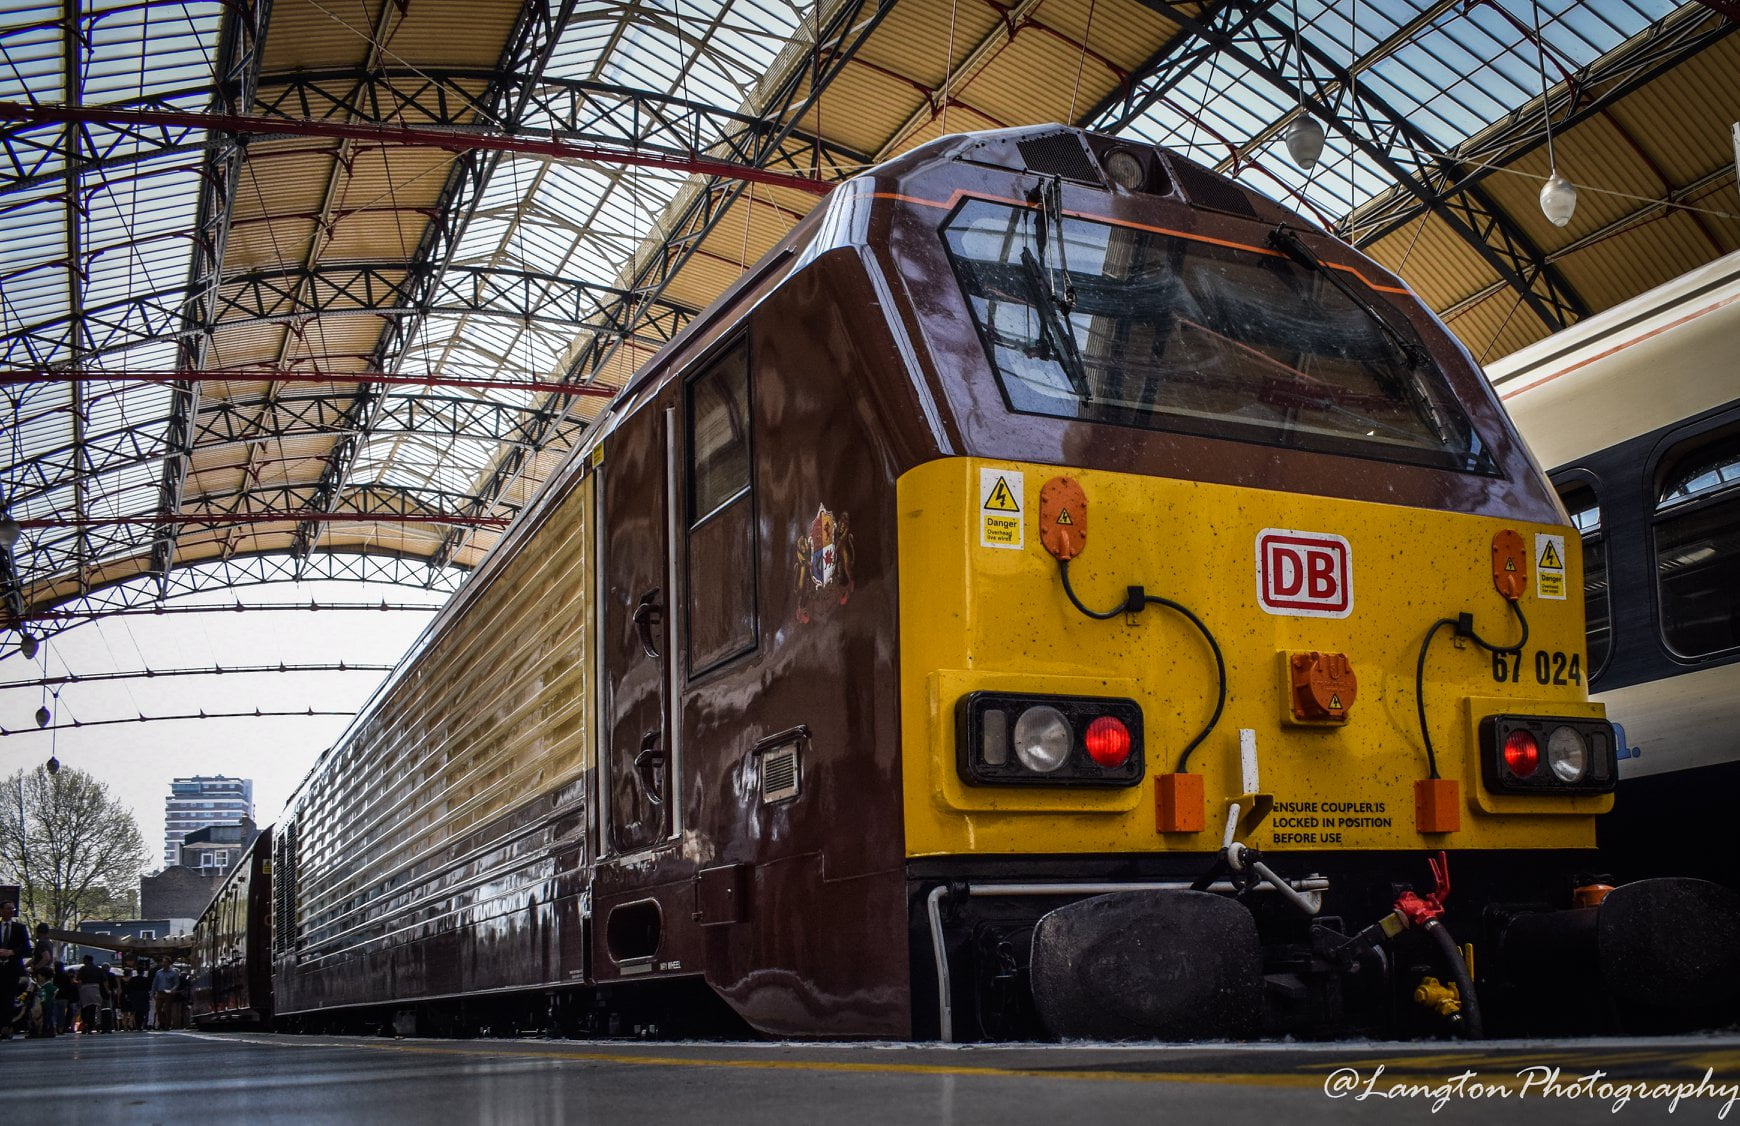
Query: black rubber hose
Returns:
{"type": "Point", "coordinates": [1472, 1028]}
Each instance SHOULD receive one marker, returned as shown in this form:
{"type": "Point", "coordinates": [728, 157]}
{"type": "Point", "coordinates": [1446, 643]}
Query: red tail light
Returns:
{"type": "Point", "coordinates": [1108, 741]}
{"type": "Point", "coordinates": [1521, 753]}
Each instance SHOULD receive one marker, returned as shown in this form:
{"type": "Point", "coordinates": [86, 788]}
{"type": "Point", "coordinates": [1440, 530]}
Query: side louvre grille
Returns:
{"type": "Point", "coordinates": [284, 889]}
{"type": "Point", "coordinates": [779, 774]}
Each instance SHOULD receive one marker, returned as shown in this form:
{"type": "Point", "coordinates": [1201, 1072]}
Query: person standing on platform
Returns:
{"type": "Point", "coordinates": [166, 992]}
{"type": "Point", "coordinates": [90, 993]}
{"type": "Point", "coordinates": [48, 997]}
{"type": "Point", "coordinates": [66, 997]}
{"type": "Point", "coordinates": [14, 953]}
{"type": "Point", "coordinates": [42, 950]}
{"type": "Point", "coordinates": [137, 990]}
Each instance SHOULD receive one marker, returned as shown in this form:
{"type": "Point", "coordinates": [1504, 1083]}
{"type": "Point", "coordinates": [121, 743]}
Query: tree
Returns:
{"type": "Point", "coordinates": [74, 851]}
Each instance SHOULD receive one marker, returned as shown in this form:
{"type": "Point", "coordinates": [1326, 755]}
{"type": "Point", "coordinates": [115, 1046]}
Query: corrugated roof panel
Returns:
{"type": "Point", "coordinates": [309, 35]}
{"type": "Point", "coordinates": [246, 343]}
{"type": "Point", "coordinates": [1629, 262]}
{"type": "Point", "coordinates": [472, 34]}
{"type": "Point", "coordinates": [1436, 263]}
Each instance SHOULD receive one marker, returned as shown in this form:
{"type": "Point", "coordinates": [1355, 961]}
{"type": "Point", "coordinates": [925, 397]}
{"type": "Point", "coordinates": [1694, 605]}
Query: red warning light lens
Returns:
{"type": "Point", "coordinates": [1108, 742]}
{"type": "Point", "coordinates": [1521, 753]}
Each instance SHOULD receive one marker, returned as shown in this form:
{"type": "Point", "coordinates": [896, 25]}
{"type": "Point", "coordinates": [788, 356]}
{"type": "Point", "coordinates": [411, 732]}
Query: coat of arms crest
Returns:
{"type": "Point", "coordinates": [824, 563]}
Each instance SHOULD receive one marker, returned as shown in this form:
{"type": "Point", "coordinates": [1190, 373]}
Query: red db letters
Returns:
{"type": "Point", "coordinates": [1306, 574]}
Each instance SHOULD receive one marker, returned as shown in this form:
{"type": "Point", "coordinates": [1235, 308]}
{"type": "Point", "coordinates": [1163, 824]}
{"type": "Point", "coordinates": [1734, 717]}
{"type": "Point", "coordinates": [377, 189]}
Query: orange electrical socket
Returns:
{"type": "Point", "coordinates": [1063, 517]}
{"type": "Point", "coordinates": [1510, 564]}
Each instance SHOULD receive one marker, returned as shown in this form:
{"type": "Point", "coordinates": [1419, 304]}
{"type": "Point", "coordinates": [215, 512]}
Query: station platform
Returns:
{"type": "Point", "coordinates": [198, 1077]}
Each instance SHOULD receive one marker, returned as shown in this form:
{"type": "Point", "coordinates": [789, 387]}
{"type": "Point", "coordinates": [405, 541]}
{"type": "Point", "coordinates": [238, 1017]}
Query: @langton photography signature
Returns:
{"type": "Point", "coordinates": [1537, 1082]}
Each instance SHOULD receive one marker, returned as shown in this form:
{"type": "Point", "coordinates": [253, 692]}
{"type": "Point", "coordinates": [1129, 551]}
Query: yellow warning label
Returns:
{"type": "Point", "coordinates": [1550, 570]}
{"type": "Point", "coordinates": [1001, 495]}
{"type": "Point", "coordinates": [1335, 703]}
{"type": "Point", "coordinates": [1063, 516]}
{"type": "Point", "coordinates": [1509, 564]}
{"type": "Point", "coordinates": [1001, 499]}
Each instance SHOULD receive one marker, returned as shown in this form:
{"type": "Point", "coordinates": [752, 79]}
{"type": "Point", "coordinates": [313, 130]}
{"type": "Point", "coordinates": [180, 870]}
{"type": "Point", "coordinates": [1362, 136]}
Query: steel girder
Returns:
{"type": "Point", "coordinates": [214, 670]}
{"type": "Point", "coordinates": [384, 289]}
{"type": "Point", "coordinates": [230, 422]}
{"type": "Point", "coordinates": [590, 111]}
{"type": "Point", "coordinates": [384, 504]}
{"type": "Point", "coordinates": [574, 110]}
{"type": "Point", "coordinates": [247, 570]}
{"type": "Point", "coordinates": [1164, 69]}
{"type": "Point", "coordinates": [238, 70]}
{"type": "Point", "coordinates": [35, 141]}
{"type": "Point", "coordinates": [1588, 92]}
{"type": "Point", "coordinates": [112, 535]}
{"type": "Point", "coordinates": [836, 44]}
{"type": "Point", "coordinates": [529, 48]}
{"type": "Point", "coordinates": [268, 372]}
{"type": "Point", "coordinates": [1263, 42]}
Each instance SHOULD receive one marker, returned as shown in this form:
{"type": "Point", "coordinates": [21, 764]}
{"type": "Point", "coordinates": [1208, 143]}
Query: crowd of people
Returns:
{"type": "Point", "coordinates": [43, 996]}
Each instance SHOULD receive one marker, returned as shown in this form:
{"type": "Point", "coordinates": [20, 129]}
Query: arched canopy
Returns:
{"type": "Point", "coordinates": [289, 285]}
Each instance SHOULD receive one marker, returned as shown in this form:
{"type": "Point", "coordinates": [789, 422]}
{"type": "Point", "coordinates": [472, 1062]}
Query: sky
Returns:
{"type": "Point", "coordinates": [137, 760]}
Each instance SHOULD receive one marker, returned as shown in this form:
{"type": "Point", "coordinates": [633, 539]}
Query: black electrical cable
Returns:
{"type": "Point", "coordinates": [1464, 627]}
{"type": "Point", "coordinates": [1134, 600]}
{"type": "Point", "coordinates": [1122, 608]}
{"type": "Point", "coordinates": [1472, 1026]}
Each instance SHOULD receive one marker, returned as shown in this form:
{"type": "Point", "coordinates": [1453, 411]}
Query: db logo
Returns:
{"type": "Point", "coordinates": [1304, 574]}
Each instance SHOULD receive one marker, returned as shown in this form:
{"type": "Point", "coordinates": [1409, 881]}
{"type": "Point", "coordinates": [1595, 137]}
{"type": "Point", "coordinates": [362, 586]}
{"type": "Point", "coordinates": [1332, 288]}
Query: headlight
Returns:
{"type": "Point", "coordinates": [1539, 754]}
{"type": "Point", "coordinates": [1567, 754]}
{"type": "Point", "coordinates": [1042, 739]}
{"type": "Point", "coordinates": [1014, 739]}
{"type": "Point", "coordinates": [1125, 169]}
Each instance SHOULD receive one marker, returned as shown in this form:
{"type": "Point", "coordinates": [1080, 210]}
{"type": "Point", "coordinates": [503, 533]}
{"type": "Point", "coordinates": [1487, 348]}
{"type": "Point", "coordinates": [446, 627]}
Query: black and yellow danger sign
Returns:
{"type": "Point", "coordinates": [1001, 498]}
{"type": "Point", "coordinates": [1549, 566]}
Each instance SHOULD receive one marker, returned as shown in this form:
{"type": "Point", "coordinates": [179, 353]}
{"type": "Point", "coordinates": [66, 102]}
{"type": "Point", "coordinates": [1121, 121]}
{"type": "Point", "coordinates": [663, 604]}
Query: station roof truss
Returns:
{"type": "Point", "coordinates": [296, 290]}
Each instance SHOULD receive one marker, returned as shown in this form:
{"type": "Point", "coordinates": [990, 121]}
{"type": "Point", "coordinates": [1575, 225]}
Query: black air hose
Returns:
{"type": "Point", "coordinates": [1471, 1023]}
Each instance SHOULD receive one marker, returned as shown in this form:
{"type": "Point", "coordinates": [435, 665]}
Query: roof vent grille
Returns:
{"type": "Point", "coordinates": [1205, 189]}
{"type": "Point", "coordinates": [1061, 154]}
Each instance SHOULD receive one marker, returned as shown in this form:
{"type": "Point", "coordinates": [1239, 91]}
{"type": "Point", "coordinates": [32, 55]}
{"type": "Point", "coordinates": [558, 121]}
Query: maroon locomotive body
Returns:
{"type": "Point", "coordinates": [705, 744]}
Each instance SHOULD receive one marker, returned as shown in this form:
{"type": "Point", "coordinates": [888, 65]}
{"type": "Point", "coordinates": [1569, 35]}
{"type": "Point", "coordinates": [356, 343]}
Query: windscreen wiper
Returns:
{"type": "Point", "coordinates": [1295, 249]}
{"type": "Point", "coordinates": [1412, 353]}
{"type": "Point", "coordinates": [1056, 333]}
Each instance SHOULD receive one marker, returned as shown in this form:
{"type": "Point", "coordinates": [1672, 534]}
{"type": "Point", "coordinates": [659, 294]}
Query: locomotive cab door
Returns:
{"type": "Point", "coordinates": [640, 633]}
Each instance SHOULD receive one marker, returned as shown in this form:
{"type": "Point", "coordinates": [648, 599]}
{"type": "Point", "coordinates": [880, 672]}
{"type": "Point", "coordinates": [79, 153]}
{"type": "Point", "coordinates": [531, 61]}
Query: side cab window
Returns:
{"type": "Point", "coordinates": [721, 611]}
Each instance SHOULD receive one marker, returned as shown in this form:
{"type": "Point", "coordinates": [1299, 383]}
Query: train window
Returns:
{"type": "Point", "coordinates": [721, 621]}
{"type": "Point", "coordinates": [1140, 327]}
{"type": "Point", "coordinates": [1697, 549]}
{"type": "Point", "coordinates": [1585, 510]}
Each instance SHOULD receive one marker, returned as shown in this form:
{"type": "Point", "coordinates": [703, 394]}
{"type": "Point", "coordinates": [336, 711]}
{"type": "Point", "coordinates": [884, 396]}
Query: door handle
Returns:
{"type": "Point", "coordinates": [648, 615]}
{"type": "Point", "coordinates": [651, 757]}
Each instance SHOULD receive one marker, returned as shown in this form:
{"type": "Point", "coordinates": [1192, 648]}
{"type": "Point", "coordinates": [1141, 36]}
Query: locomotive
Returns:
{"type": "Point", "coordinates": [1056, 592]}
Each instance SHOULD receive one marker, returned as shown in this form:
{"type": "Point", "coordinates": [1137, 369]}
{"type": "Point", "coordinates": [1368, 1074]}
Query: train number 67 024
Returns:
{"type": "Point", "coordinates": [1551, 667]}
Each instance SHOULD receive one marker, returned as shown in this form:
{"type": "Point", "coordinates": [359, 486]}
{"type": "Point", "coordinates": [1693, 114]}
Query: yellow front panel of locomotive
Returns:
{"type": "Point", "coordinates": [983, 608]}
